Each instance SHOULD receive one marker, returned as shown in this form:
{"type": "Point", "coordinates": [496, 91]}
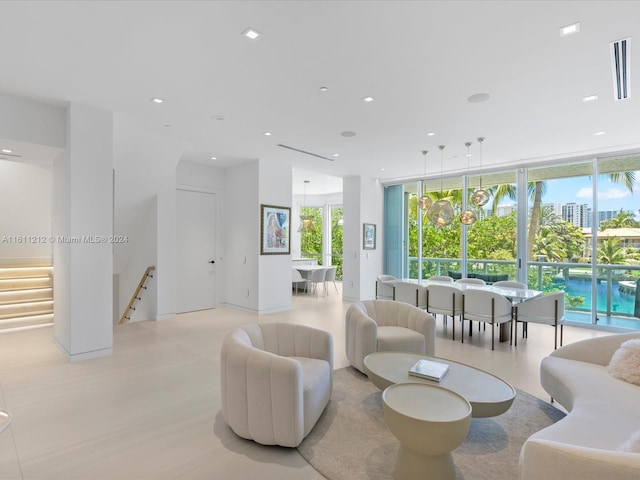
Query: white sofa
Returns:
{"type": "Point", "coordinates": [604, 414]}
{"type": "Point", "coordinates": [276, 380]}
{"type": "Point", "coordinates": [384, 325]}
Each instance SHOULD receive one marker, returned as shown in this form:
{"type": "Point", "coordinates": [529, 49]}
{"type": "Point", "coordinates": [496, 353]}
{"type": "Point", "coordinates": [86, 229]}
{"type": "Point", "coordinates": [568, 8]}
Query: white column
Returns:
{"type": "Point", "coordinates": [82, 221]}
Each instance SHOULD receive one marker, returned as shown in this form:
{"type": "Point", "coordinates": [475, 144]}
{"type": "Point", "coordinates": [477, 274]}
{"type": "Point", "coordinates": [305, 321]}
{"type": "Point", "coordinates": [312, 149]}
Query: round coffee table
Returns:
{"type": "Point", "coordinates": [430, 422]}
{"type": "Point", "coordinates": [488, 395]}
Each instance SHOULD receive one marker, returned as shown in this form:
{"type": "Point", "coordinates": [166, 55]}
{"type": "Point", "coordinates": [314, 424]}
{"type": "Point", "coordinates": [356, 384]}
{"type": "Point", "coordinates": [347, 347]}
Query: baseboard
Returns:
{"type": "Point", "coordinates": [81, 357]}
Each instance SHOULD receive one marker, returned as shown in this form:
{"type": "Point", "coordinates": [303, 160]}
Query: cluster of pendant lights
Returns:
{"type": "Point", "coordinates": [441, 212]}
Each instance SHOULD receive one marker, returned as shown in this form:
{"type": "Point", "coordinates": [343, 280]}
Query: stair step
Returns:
{"type": "Point", "coordinates": [25, 272]}
{"type": "Point", "coordinates": [24, 283]}
{"type": "Point", "coordinates": [27, 295]}
{"type": "Point", "coordinates": [27, 308]}
{"type": "Point", "coordinates": [26, 321]}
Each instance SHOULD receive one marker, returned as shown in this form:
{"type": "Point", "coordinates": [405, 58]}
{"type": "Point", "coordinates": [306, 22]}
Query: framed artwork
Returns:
{"type": "Point", "coordinates": [369, 236]}
{"type": "Point", "coordinates": [274, 230]}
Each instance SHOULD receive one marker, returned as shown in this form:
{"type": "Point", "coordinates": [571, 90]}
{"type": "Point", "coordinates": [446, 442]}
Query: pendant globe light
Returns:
{"type": "Point", "coordinates": [306, 222]}
{"type": "Point", "coordinates": [468, 217]}
{"type": "Point", "coordinates": [425, 201]}
{"type": "Point", "coordinates": [480, 197]}
{"type": "Point", "coordinates": [441, 212]}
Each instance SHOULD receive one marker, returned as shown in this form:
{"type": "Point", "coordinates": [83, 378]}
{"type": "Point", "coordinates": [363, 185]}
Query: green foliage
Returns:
{"type": "Point", "coordinates": [311, 240]}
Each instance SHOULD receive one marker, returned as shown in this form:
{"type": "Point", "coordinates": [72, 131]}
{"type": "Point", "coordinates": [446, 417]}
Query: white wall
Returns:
{"type": "Point", "coordinates": [362, 203]}
{"type": "Point", "coordinates": [32, 122]}
{"type": "Point", "coordinates": [25, 210]}
{"type": "Point", "coordinates": [241, 233]}
{"type": "Point", "coordinates": [83, 207]}
{"type": "Point", "coordinates": [144, 212]}
{"type": "Point", "coordinates": [275, 270]}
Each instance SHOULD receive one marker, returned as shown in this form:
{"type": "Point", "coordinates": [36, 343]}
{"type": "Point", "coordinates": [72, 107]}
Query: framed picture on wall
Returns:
{"type": "Point", "coordinates": [274, 230]}
{"type": "Point", "coordinates": [369, 236]}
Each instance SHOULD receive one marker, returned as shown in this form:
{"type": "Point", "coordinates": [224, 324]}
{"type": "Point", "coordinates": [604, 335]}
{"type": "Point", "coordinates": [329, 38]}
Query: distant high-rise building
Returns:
{"type": "Point", "coordinates": [576, 214]}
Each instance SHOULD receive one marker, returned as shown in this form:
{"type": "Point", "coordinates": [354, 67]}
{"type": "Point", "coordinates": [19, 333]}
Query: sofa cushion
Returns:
{"type": "Point", "coordinates": [400, 339]}
{"type": "Point", "coordinates": [625, 362]}
{"type": "Point", "coordinates": [316, 389]}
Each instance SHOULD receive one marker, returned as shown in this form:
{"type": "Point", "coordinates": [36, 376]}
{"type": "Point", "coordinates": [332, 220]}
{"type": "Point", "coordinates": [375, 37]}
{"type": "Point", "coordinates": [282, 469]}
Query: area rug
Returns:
{"type": "Point", "coordinates": [352, 442]}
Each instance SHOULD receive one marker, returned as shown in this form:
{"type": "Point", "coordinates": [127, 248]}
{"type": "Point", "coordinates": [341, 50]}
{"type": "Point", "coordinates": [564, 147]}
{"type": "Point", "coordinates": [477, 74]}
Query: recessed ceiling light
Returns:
{"type": "Point", "coordinates": [336, 154]}
{"type": "Point", "coordinates": [431, 134]}
{"type": "Point", "coordinates": [570, 29]}
{"type": "Point", "coordinates": [7, 150]}
{"type": "Point", "coordinates": [590, 98]}
{"type": "Point", "coordinates": [348, 134]}
{"type": "Point", "coordinates": [214, 158]}
{"type": "Point", "coordinates": [157, 100]}
{"type": "Point", "coordinates": [382, 169]}
{"type": "Point", "coordinates": [167, 125]}
{"type": "Point", "coordinates": [323, 89]}
{"type": "Point", "coordinates": [600, 133]}
{"type": "Point", "coordinates": [268, 134]}
{"type": "Point", "coordinates": [368, 99]}
{"type": "Point", "coordinates": [251, 33]}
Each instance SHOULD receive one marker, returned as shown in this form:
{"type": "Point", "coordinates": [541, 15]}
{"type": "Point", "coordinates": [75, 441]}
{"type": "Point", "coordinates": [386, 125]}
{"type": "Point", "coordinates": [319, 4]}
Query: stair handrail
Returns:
{"type": "Point", "coordinates": [141, 285]}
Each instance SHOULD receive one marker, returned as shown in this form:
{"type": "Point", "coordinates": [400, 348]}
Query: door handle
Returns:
{"type": "Point", "coordinates": [212, 261]}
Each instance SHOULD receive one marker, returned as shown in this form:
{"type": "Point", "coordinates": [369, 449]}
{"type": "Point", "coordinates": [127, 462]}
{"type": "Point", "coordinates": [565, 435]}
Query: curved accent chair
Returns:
{"type": "Point", "coordinates": [276, 380]}
{"type": "Point", "coordinates": [470, 281]}
{"type": "Point", "coordinates": [509, 284]}
{"type": "Point", "coordinates": [384, 325]}
{"type": "Point", "coordinates": [384, 286]}
{"type": "Point", "coordinates": [440, 278]}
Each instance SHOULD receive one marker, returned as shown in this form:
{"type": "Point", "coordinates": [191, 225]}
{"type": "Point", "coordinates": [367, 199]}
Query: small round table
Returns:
{"type": "Point", "coordinates": [430, 422]}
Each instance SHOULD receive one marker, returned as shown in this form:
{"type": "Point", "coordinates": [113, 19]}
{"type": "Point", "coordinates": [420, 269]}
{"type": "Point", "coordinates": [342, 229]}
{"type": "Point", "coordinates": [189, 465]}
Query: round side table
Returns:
{"type": "Point", "coordinates": [430, 422]}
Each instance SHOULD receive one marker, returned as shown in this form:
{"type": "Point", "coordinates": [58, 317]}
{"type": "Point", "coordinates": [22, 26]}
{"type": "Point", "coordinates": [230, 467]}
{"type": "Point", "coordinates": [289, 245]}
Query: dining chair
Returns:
{"type": "Point", "coordinates": [411, 293]}
{"type": "Point", "coordinates": [330, 276]}
{"type": "Point", "coordinates": [488, 307]}
{"type": "Point", "coordinates": [440, 278]}
{"type": "Point", "coordinates": [384, 287]}
{"type": "Point", "coordinates": [316, 278]}
{"type": "Point", "coordinates": [445, 300]}
{"type": "Point", "coordinates": [547, 309]}
{"type": "Point", "coordinates": [296, 280]}
{"type": "Point", "coordinates": [471, 281]}
{"type": "Point", "coordinates": [509, 284]}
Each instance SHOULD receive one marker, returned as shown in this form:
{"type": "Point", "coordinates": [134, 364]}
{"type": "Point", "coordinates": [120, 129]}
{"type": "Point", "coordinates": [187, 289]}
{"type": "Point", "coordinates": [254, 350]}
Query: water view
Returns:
{"type": "Point", "coordinates": [621, 303]}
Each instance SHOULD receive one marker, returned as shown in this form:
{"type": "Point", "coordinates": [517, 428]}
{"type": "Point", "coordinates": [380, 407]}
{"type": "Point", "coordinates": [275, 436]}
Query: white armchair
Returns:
{"type": "Point", "coordinates": [276, 380]}
{"type": "Point", "coordinates": [385, 325]}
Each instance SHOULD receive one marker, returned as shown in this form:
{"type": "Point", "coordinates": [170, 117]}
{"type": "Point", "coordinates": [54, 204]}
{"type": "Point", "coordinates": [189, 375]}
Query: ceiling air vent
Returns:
{"type": "Point", "coordinates": [305, 152]}
{"type": "Point", "coordinates": [621, 68]}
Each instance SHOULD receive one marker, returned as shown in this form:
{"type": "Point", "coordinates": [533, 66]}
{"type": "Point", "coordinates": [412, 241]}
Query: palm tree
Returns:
{"type": "Point", "coordinates": [611, 252]}
{"type": "Point", "coordinates": [621, 220]}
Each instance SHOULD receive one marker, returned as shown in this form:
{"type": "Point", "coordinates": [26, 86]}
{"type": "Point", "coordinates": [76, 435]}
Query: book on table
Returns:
{"type": "Point", "coordinates": [429, 369]}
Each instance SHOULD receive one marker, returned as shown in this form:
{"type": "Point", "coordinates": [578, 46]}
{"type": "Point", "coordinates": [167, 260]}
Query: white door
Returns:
{"type": "Point", "coordinates": [195, 251]}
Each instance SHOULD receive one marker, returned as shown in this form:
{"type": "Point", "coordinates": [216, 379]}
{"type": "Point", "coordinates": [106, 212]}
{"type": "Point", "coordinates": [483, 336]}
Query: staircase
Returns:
{"type": "Point", "coordinates": [26, 296]}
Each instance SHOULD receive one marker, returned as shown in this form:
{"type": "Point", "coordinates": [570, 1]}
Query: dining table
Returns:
{"type": "Point", "coordinates": [515, 295]}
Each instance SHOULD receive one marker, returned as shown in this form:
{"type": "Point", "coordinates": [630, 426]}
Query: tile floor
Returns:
{"type": "Point", "coordinates": [152, 409]}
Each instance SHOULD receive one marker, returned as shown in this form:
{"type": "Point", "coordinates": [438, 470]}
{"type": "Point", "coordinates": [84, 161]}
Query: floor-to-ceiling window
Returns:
{"type": "Point", "coordinates": [573, 227]}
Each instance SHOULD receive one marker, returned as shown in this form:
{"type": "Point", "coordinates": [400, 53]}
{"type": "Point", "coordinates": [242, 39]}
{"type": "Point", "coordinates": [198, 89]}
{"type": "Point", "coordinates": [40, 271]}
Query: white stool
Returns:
{"type": "Point", "coordinates": [430, 422]}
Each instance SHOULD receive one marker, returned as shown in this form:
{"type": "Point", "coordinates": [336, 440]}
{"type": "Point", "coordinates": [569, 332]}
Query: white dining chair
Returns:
{"type": "Point", "coordinates": [547, 309]}
{"type": "Point", "coordinates": [470, 281]}
{"type": "Point", "coordinates": [296, 280]}
{"type": "Point", "coordinates": [330, 276]}
{"type": "Point", "coordinates": [488, 307]}
{"type": "Point", "coordinates": [316, 278]}
{"type": "Point", "coordinates": [384, 287]}
{"type": "Point", "coordinates": [445, 300]}
{"type": "Point", "coordinates": [411, 293]}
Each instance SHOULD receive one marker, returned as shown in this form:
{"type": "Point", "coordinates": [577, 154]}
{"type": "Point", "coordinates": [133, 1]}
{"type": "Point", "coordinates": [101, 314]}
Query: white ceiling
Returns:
{"type": "Point", "coordinates": [420, 60]}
